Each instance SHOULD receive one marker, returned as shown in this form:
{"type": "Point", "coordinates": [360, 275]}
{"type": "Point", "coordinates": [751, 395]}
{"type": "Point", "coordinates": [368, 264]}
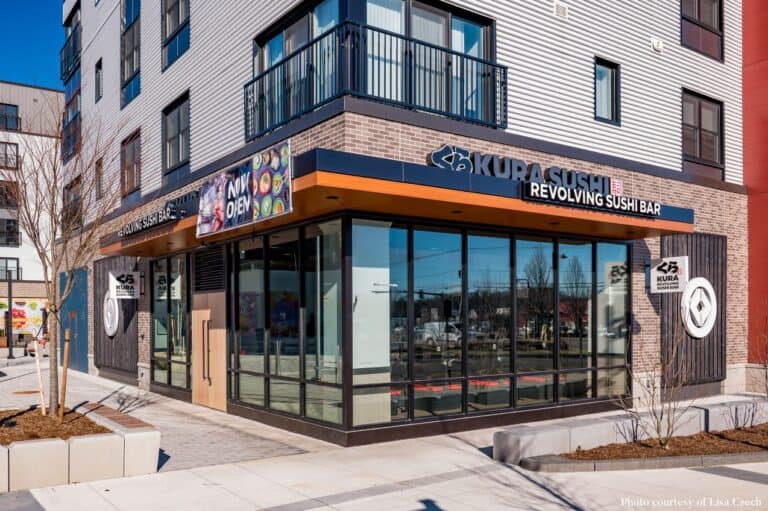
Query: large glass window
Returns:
{"type": "Point", "coordinates": [175, 30]}
{"type": "Point", "coordinates": [379, 302]}
{"type": "Point", "coordinates": [10, 236]}
{"type": "Point", "coordinates": [130, 164]}
{"type": "Point", "coordinates": [9, 117]}
{"type": "Point", "coordinates": [251, 320]}
{"type": "Point", "coordinates": [170, 339]}
{"type": "Point", "coordinates": [437, 284]}
{"type": "Point", "coordinates": [489, 297]}
{"type": "Point", "coordinates": [535, 282]}
{"type": "Point", "coordinates": [284, 297]}
{"type": "Point", "coordinates": [130, 41]}
{"type": "Point", "coordinates": [575, 295]}
{"type": "Point", "coordinates": [612, 304]}
{"type": "Point", "coordinates": [322, 316]}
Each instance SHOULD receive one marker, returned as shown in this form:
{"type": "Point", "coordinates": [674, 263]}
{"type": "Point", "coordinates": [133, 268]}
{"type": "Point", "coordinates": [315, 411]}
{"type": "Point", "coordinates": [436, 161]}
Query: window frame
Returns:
{"type": "Point", "coordinates": [721, 126]}
{"type": "Point", "coordinates": [4, 240]}
{"type": "Point", "coordinates": [98, 80]}
{"type": "Point", "coordinates": [98, 170]}
{"type": "Point", "coordinates": [720, 32]}
{"type": "Point", "coordinates": [4, 117]}
{"type": "Point", "coordinates": [615, 120]}
{"type": "Point", "coordinates": [72, 196]}
{"type": "Point", "coordinates": [133, 138]}
{"type": "Point", "coordinates": [132, 27]}
{"type": "Point", "coordinates": [6, 146]}
{"type": "Point", "coordinates": [4, 268]}
{"type": "Point", "coordinates": [174, 108]}
{"type": "Point", "coordinates": [168, 38]}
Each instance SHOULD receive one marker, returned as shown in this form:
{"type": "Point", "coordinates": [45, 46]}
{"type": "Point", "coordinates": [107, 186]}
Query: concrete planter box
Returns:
{"type": "Point", "coordinates": [131, 449]}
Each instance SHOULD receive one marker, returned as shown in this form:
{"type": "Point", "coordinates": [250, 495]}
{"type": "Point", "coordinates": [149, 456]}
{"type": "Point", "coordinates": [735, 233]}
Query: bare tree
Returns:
{"type": "Point", "coordinates": [62, 204]}
{"type": "Point", "coordinates": [660, 406]}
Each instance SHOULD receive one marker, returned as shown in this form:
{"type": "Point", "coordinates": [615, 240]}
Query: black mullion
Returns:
{"type": "Point", "coordinates": [301, 269]}
{"type": "Point", "coordinates": [411, 326]}
{"type": "Point", "coordinates": [513, 321]}
{"type": "Point", "coordinates": [346, 332]}
{"type": "Point", "coordinates": [267, 322]}
{"type": "Point", "coordinates": [464, 319]}
{"type": "Point", "coordinates": [556, 319]}
{"type": "Point", "coordinates": [169, 339]}
{"type": "Point", "coordinates": [593, 326]}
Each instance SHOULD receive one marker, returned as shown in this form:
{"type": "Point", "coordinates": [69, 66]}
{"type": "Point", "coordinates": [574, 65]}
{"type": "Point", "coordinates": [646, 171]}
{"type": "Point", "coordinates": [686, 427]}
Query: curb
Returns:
{"type": "Point", "coordinates": [4, 362]}
{"type": "Point", "coordinates": [555, 463]}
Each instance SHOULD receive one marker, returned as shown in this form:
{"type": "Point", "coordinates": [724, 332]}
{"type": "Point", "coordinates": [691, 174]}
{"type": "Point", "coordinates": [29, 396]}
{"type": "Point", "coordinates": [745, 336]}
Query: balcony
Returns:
{"type": "Point", "coordinates": [370, 63]}
{"type": "Point", "coordinates": [70, 53]}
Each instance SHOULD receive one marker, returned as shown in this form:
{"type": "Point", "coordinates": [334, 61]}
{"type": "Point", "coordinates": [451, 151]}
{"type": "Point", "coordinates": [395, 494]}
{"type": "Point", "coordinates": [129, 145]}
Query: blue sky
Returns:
{"type": "Point", "coordinates": [30, 39]}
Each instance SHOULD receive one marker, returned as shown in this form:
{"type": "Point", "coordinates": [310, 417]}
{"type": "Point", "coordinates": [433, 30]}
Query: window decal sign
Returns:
{"type": "Point", "coordinates": [124, 286]}
{"type": "Point", "coordinates": [669, 275]}
{"type": "Point", "coordinates": [256, 190]}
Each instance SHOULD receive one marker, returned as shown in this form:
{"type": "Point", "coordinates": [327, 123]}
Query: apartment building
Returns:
{"type": "Point", "coordinates": [25, 122]}
{"type": "Point", "coordinates": [372, 219]}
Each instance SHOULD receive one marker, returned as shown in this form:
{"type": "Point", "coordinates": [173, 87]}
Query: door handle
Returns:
{"type": "Point", "coordinates": [208, 343]}
{"type": "Point", "coordinates": [202, 346]}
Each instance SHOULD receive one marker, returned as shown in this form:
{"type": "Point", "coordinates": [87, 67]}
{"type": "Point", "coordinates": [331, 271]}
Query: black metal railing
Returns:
{"type": "Point", "coordinates": [70, 53]}
{"type": "Point", "coordinates": [362, 61]}
{"type": "Point", "coordinates": [10, 123]}
{"type": "Point", "coordinates": [70, 138]}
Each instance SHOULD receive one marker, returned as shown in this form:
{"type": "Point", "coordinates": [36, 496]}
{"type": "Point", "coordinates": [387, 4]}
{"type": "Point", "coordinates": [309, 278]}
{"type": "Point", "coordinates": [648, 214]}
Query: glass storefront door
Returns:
{"type": "Point", "coordinates": [170, 322]}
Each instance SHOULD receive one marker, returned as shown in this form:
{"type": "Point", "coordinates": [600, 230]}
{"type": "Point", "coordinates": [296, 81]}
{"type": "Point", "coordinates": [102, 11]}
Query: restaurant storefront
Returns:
{"type": "Point", "coordinates": [383, 299]}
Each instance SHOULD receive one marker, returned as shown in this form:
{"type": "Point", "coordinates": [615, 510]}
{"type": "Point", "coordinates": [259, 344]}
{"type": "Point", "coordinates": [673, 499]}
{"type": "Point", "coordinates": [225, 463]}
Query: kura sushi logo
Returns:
{"type": "Point", "coordinates": [451, 157]}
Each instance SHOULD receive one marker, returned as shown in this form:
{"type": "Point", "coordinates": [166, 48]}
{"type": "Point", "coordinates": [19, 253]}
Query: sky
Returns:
{"type": "Point", "coordinates": [30, 39]}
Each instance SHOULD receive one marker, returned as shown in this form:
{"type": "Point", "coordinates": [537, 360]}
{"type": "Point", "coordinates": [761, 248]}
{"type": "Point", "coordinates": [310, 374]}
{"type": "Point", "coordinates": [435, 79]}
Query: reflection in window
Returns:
{"type": "Point", "coordinates": [324, 403]}
{"type": "Point", "coordinates": [380, 404]}
{"type": "Point", "coordinates": [379, 303]}
{"type": "Point", "coordinates": [612, 304]}
{"type": "Point", "coordinates": [613, 382]}
{"type": "Point", "coordinates": [575, 282]}
{"type": "Point", "coordinates": [437, 304]}
{"type": "Point", "coordinates": [284, 303]}
{"type": "Point", "coordinates": [535, 304]}
{"type": "Point", "coordinates": [160, 321]}
{"type": "Point", "coordinates": [490, 305]}
{"type": "Point", "coordinates": [489, 394]}
{"type": "Point", "coordinates": [322, 318]}
{"type": "Point", "coordinates": [251, 389]}
{"type": "Point", "coordinates": [575, 386]}
{"type": "Point", "coordinates": [284, 396]}
{"type": "Point", "coordinates": [251, 306]}
{"type": "Point", "coordinates": [534, 389]}
{"type": "Point", "coordinates": [177, 321]}
{"type": "Point", "coordinates": [436, 399]}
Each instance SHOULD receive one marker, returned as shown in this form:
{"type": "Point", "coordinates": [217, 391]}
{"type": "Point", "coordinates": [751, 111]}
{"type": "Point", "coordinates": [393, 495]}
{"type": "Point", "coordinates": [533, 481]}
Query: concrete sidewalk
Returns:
{"type": "Point", "coordinates": [429, 474]}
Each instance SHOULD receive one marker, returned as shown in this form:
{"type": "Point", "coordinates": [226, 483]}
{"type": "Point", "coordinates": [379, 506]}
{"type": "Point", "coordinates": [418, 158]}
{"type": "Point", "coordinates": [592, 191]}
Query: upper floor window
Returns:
{"type": "Point", "coordinates": [72, 97]}
{"type": "Point", "coordinates": [176, 133]}
{"type": "Point", "coordinates": [70, 52]}
{"type": "Point", "coordinates": [72, 213]}
{"type": "Point", "coordinates": [701, 26]}
{"type": "Point", "coordinates": [606, 91]}
{"type": "Point", "coordinates": [9, 268]}
{"type": "Point", "coordinates": [7, 195]}
{"type": "Point", "coordinates": [99, 178]}
{"type": "Point", "coordinates": [130, 164]}
{"type": "Point", "coordinates": [9, 233]}
{"type": "Point", "coordinates": [130, 43]}
{"type": "Point", "coordinates": [98, 79]}
{"type": "Point", "coordinates": [702, 129]}
{"type": "Point", "coordinates": [9, 155]}
{"type": "Point", "coordinates": [175, 30]}
{"type": "Point", "coordinates": [9, 117]}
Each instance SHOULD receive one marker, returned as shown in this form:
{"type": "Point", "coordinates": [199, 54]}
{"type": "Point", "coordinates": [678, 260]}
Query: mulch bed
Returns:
{"type": "Point", "coordinates": [722, 442]}
{"type": "Point", "coordinates": [29, 424]}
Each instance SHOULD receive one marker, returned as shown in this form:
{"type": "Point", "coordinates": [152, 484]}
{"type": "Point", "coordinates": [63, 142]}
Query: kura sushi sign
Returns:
{"type": "Point", "coordinates": [255, 190]}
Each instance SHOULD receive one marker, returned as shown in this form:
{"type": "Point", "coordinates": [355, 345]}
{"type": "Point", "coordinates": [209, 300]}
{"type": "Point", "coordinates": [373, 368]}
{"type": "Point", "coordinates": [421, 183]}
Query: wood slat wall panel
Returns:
{"type": "Point", "coordinates": [121, 351]}
{"type": "Point", "coordinates": [703, 359]}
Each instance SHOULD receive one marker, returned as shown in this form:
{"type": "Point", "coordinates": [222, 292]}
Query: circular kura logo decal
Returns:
{"type": "Point", "coordinates": [699, 307]}
{"type": "Point", "coordinates": [111, 315]}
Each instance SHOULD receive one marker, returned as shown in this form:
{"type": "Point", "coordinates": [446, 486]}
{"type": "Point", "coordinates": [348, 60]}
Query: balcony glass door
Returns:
{"type": "Point", "coordinates": [467, 75]}
{"type": "Point", "coordinates": [385, 50]}
{"type": "Point", "coordinates": [430, 63]}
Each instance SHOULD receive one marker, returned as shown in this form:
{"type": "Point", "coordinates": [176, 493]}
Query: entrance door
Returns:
{"type": "Point", "coordinates": [209, 349]}
{"type": "Point", "coordinates": [74, 318]}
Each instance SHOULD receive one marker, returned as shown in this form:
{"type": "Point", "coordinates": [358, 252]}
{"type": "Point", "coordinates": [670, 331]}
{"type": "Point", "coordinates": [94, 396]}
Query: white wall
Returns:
{"type": "Point", "coordinates": [550, 63]}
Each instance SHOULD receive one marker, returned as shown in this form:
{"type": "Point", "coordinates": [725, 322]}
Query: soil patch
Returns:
{"type": "Point", "coordinates": [721, 442]}
{"type": "Point", "coordinates": [29, 424]}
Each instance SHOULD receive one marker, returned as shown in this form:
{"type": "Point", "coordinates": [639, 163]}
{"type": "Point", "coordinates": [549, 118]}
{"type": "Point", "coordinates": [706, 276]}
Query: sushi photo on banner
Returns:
{"type": "Point", "coordinates": [272, 182]}
{"type": "Point", "coordinates": [226, 200]}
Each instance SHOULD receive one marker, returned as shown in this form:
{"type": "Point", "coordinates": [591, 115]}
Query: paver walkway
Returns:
{"type": "Point", "coordinates": [192, 436]}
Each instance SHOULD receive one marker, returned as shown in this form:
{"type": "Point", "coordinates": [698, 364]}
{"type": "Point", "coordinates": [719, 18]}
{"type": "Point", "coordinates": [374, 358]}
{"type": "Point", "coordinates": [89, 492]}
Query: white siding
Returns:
{"type": "Point", "coordinates": [550, 63]}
